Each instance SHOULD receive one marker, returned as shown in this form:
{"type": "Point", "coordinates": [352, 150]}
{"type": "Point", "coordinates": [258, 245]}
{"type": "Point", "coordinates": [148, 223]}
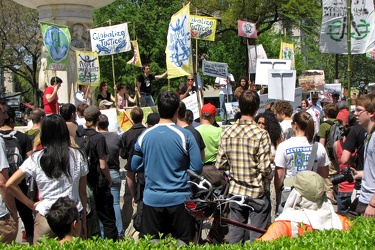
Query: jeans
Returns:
{"type": "Point", "coordinates": [115, 190]}
{"type": "Point", "coordinates": [147, 101]}
{"type": "Point", "coordinates": [104, 208]}
{"type": "Point", "coordinates": [259, 218]}
{"type": "Point", "coordinates": [344, 200]}
{"type": "Point", "coordinates": [223, 111]}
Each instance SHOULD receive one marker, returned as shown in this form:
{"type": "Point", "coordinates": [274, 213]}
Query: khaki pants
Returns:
{"type": "Point", "coordinates": [41, 228]}
{"type": "Point", "coordinates": [8, 229]}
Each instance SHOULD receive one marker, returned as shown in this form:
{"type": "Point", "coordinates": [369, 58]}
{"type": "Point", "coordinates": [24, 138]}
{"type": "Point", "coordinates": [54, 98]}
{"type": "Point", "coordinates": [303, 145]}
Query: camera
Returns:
{"type": "Point", "coordinates": [346, 175]}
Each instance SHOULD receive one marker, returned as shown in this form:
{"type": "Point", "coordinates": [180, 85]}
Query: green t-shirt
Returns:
{"type": "Point", "coordinates": [211, 136]}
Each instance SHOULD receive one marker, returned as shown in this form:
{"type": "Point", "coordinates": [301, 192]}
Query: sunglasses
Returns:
{"type": "Point", "coordinates": [190, 79]}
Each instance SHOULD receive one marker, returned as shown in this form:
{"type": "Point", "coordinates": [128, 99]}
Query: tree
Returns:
{"type": "Point", "coordinates": [20, 44]}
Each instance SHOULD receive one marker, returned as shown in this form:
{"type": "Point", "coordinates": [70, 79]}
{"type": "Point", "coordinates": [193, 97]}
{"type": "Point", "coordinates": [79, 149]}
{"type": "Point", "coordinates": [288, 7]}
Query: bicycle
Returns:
{"type": "Point", "coordinates": [205, 203]}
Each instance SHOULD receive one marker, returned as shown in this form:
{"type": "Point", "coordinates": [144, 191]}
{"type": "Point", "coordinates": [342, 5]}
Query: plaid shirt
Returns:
{"type": "Point", "coordinates": [245, 150]}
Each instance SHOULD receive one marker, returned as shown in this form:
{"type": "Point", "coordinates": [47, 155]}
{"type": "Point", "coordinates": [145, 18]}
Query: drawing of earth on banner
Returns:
{"type": "Point", "coordinates": [57, 43]}
{"type": "Point", "coordinates": [179, 47]}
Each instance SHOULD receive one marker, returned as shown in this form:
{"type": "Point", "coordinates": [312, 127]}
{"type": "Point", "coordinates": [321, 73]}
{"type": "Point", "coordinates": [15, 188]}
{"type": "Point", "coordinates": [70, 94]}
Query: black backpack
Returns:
{"type": "Point", "coordinates": [13, 151]}
{"type": "Point", "coordinates": [84, 139]}
{"type": "Point", "coordinates": [335, 133]}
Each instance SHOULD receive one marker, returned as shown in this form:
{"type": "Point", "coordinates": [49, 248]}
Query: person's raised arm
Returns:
{"type": "Point", "coordinates": [161, 76]}
{"type": "Point", "coordinates": [50, 97]}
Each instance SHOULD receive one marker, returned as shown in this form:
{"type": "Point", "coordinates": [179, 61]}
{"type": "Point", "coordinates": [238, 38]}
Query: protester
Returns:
{"type": "Point", "coordinates": [343, 111]}
{"type": "Point", "coordinates": [330, 112]}
{"type": "Point", "coordinates": [315, 111]}
{"type": "Point", "coordinates": [133, 187]}
{"type": "Point", "coordinates": [59, 170]}
{"type": "Point", "coordinates": [306, 209]}
{"type": "Point", "coordinates": [115, 145]}
{"type": "Point", "coordinates": [211, 136]}
{"type": "Point", "coordinates": [283, 111]}
{"type": "Point", "coordinates": [164, 152]}
{"type": "Point", "coordinates": [104, 94]}
{"type": "Point", "coordinates": [8, 210]}
{"type": "Point", "coordinates": [36, 116]}
{"type": "Point", "coordinates": [365, 113]}
{"type": "Point", "coordinates": [68, 112]}
{"type": "Point", "coordinates": [16, 139]}
{"type": "Point", "coordinates": [104, 104]}
{"type": "Point", "coordinates": [98, 178]}
{"type": "Point", "coordinates": [144, 85]}
{"type": "Point", "coordinates": [245, 150]}
{"type": "Point", "coordinates": [240, 89]}
{"type": "Point", "coordinates": [80, 114]}
{"type": "Point", "coordinates": [225, 94]}
{"type": "Point", "coordinates": [345, 188]}
{"type": "Point", "coordinates": [188, 88]}
{"type": "Point", "coordinates": [153, 119]}
{"type": "Point", "coordinates": [181, 121]}
{"type": "Point", "coordinates": [50, 97]}
{"type": "Point", "coordinates": [292, 156]}
{"type": "Point", "coordinates": [82, 95]}
{"type": "Point", "coordinates": [64, 219]}
{"type": "Point", "coordinates": [304, 104]}
{"type": "Point", "coordinates": [123, 98]}
{"type": "Point", "coordinates": [335, 97]}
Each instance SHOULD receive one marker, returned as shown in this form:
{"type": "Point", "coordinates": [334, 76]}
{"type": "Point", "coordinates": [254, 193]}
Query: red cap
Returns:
{"type": "Point", "coordinates": [208, 110]}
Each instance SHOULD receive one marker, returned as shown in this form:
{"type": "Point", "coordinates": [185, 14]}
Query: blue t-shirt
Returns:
{"type": "Point", "coordinates": [165, 152]}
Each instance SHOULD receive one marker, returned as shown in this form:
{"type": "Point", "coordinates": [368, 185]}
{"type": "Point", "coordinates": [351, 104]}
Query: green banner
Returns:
{"type": "Point", "coordinates": [56, 39]}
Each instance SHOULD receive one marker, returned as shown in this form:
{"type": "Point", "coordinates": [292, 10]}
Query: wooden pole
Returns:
{"type": "Point", "coordinates": [348, 24]}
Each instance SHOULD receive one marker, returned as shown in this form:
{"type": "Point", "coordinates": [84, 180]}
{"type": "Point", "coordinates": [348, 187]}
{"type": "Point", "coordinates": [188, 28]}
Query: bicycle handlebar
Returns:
{"type": "Point", "coordinates": [194, 175]}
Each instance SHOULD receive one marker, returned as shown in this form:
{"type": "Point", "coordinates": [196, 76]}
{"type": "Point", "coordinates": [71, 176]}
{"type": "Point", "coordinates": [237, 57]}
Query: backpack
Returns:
{"type": "Point", "coordinates": [13, 151]}
{"type": "Point", "coordinates": [84, 139]}
{"type": "Point", "coordinates": [335, 133]}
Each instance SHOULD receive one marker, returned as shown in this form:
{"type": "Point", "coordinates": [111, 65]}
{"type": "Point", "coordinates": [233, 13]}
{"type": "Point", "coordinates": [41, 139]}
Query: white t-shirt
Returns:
{"type": "Point", "coordinates": [52, 189]}
{"type": "Point", "coordinates": [3, 165]}
{"type": "Point", "coordinates": [294, 153]}
{"type": "Point", "coordinates": [223, 90]}
{"type": "Point", "coordinates": [316, 113]}
{"type": "Point", "coordinates": [79, 97]}
{"type": "Point", "coordinates": [285, 125]}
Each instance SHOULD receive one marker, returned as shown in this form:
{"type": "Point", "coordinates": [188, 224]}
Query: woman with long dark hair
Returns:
{"type": "Point", "coordinates": [292, 155]}
{"type": "Point", "coordinates": [59, 169]}
{"type": "Point", "coordinates": [104, 94]}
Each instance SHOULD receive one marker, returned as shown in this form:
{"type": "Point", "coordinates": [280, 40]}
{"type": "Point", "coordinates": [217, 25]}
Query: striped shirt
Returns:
{"type": "Point", "coordinates": [245, 149]}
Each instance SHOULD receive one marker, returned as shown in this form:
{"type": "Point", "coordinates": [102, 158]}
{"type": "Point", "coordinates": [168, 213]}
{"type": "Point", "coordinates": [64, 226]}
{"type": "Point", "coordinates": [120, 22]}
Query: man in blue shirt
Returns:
{"type": "Point", "coordinates": [165, 151]}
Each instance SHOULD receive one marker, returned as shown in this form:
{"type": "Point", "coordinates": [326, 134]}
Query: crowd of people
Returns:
{"type": "Point", "coordinates": [67, 183]}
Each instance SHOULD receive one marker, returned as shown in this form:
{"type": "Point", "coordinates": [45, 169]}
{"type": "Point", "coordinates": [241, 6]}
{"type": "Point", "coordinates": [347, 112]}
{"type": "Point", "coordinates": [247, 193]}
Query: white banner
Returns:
{"type": "Point", "coordinates": [110, 40]}
{"type": "Point", "coordinates": [333, 35]}
{"type": "Point", "coordinates": [215, 69]}
{"type": "Point", "coordinates": [255, 53]}
{"type": "Point", "coordinates": [261, 77]}
{"type": "Point", "coordinates": [192, 104]}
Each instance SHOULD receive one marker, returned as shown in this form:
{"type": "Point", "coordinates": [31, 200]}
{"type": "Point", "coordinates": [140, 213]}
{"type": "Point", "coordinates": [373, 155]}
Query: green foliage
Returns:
{"type": "Point", "coordinates": [360, 236]}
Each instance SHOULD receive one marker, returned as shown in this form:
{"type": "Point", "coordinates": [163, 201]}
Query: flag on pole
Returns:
{"type": "Point", "coordinates": [110, 40]}
{"type": "Point", "coordinates": [333, 34]}
{"type": "Point", "coordinates": [247, 29]}
{"type": "Point", "coordinates": [178, 54]}
{"type": "Point", "coordinates": [88, 70]}
{"type": "Point", "coordinates": [56, 39]}
{"type": "Point", "coordinates": [203, 27]}
{"type": "Point", "coordinates": [287, 52]}
{"type": "Point", "coordinates": [136, 60]}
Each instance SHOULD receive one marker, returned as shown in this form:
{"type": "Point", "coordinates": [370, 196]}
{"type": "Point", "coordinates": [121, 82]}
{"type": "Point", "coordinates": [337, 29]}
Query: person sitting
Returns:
{"type": "Point", "coordinates": [306, 209]}
{"type": "Point", "coordinates": [64, 219]}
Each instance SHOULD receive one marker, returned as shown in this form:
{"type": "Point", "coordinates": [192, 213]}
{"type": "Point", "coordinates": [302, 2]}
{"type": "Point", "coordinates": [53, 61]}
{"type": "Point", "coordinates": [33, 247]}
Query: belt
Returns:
{"type": "Point", "coordinates": [209, 163]}
{"type": "Point", "coordinates": [143, 93]}
{"type": "Point", "coordinates": [5, 217]}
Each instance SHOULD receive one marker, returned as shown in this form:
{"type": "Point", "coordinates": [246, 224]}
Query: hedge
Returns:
{"type": "Point", "coordinates": [360, 236]}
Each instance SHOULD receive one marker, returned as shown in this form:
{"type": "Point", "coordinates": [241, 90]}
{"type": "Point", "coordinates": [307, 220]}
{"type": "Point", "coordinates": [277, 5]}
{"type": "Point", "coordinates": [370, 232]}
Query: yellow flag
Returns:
{"type": "Point", "coordinates": [178, 53]}
{"type": "Point", "coordinates": [136, 60]}
{"type": "Point", "coordinates": [287, 52]}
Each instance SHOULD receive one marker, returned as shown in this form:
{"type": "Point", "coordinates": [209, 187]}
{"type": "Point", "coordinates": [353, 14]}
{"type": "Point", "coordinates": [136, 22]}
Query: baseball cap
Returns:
{"type": "Point", "coordinates": [91, 113]}
{"type": "Point", "coordinates": [208, 110]}
{"type": "Point", "coordinates": [308, 183]}
{"type": "Point", "coordinates": [105, 103]}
